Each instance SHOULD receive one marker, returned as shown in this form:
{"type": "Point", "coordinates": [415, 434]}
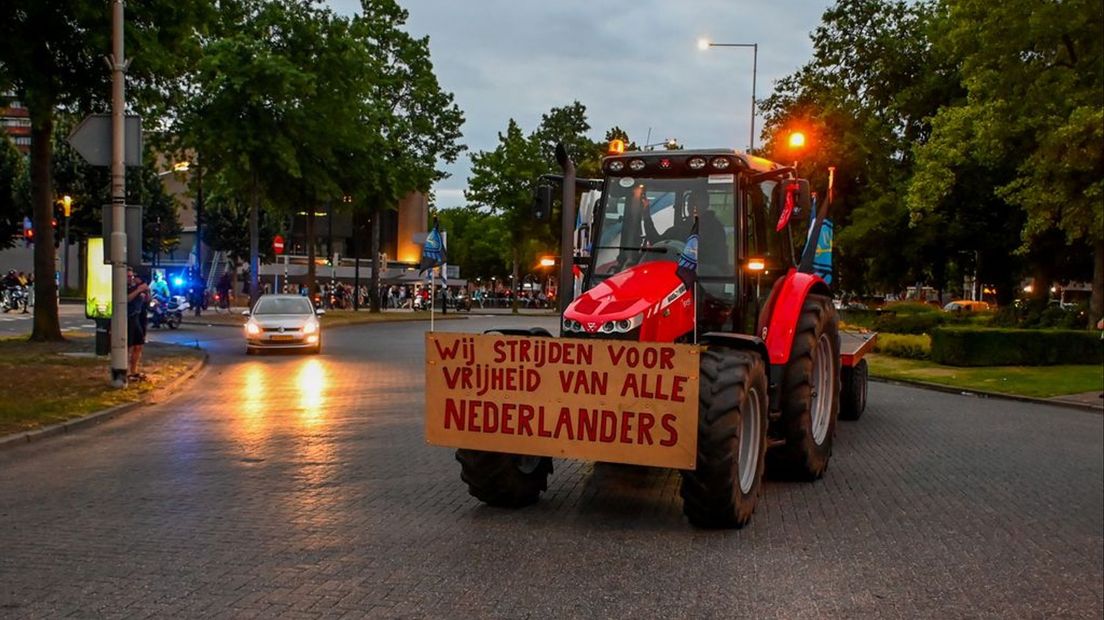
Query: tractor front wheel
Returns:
{"type": "Point", "coordinates": [504, 480]}
{"type": "Point", "coordinates": [723, 489]}
{"type": "Point", "coordinates": [811, 390]}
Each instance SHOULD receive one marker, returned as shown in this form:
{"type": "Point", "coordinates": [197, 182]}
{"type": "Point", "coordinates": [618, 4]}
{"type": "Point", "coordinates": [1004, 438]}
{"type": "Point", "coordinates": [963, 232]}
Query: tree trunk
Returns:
{"type": "Point", "coordinates": [1096, 303]}
{"type": "Point", "coordinates": [373, 287]}
{"type": "Point", "coordinates": [254, 244]}
{"type": "Point", "coordinates": [310, 251]}
{"type": "Point", "coordinates": [47, 328]}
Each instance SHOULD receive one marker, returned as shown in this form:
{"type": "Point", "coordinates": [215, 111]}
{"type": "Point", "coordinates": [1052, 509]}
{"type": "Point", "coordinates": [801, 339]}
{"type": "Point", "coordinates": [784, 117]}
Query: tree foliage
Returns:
{"type": "Point", "coordinates": [51, 56]}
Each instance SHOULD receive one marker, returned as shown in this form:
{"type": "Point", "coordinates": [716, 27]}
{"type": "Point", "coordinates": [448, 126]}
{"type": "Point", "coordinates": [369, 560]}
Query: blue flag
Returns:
{"type": "Point", "coordinates": [433, 252]}
{"type": "Point", "coordinates": [688, 259]}
{"type": "Point", "coordinates": [822, 260]}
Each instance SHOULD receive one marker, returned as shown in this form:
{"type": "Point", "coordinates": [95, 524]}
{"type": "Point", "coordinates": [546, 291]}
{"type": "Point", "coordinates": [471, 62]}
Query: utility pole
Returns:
{"type": "Point", "coordinates": [118, 203]}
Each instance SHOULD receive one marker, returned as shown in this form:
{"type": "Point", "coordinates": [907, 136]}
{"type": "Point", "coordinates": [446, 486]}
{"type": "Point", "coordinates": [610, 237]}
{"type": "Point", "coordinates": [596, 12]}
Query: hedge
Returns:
{"type": "Point", "coordinates": [970, 346]}
{"type": "Point", "coordinates": [902, 345]}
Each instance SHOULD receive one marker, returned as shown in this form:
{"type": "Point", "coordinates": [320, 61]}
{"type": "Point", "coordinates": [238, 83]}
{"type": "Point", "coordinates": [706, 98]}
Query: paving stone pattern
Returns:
{"type": "Point", "coordinates": [301, 487]}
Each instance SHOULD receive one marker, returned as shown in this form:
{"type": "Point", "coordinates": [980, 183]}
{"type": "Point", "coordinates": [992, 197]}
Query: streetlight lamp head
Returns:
{"type": "Point", "coordinates": [797, 140]}
{"type": "Point", "coordinates": [181, 166]}
{"type": "Point", "coordinates": [703, 43]}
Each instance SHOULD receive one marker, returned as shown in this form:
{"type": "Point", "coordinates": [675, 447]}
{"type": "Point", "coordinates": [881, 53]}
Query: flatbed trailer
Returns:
{"type": "Point", "coordinates": [854, 346]}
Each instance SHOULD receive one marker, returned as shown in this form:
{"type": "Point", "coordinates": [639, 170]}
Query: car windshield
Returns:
{"type": "Point", "coordinates": [284, 305]}
{"type": "Point", "coordinates": [647, 219]}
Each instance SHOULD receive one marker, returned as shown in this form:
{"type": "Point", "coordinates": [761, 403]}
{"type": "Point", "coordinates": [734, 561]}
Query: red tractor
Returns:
{"type": "Point", "coordinates": [714, 248]}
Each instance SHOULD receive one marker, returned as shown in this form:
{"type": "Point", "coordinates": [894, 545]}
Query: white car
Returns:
{"type": "Point", "coordinates": [283, 322]}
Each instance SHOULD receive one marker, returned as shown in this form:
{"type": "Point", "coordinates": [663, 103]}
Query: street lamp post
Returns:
{"type": "Point", "coordinates": [67, 209]}
{"type": "Point", "coordinates": [704, 44]}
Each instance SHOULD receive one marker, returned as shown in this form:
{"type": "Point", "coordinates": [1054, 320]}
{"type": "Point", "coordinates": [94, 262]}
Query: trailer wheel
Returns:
{"type": "Point", "coordinates": [811, 391]}
{"type": "Point", "coordinates": [504, 480]}
{"type": "Point", "coordinates": [853, 392]}
{"type": "Point", "coordinates": [732, 440]}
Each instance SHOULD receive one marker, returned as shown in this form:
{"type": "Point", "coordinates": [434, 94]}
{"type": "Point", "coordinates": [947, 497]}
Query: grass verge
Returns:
{"type": "Point", "coordinates": [53, 382]}
{"type": "Point", "coordinates": [1036, 381]}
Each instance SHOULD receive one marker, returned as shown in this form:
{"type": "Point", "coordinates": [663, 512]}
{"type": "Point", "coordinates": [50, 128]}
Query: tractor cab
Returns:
{"type": "Point", "coordinates": [750, 218]}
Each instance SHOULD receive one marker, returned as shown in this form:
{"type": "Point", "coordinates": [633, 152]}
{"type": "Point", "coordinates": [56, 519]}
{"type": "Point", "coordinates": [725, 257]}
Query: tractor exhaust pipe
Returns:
{"type": "Point", "coordinates": [567, 231]}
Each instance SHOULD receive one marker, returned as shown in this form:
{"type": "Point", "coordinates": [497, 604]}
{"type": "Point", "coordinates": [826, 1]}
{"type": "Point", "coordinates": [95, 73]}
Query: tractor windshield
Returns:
{"type": "Point", "coordinates": [648, 219]}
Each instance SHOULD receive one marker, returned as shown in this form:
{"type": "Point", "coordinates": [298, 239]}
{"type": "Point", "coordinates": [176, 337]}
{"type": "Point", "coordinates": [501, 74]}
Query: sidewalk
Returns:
{"type": "Point", "coordinates": [1085, 399]}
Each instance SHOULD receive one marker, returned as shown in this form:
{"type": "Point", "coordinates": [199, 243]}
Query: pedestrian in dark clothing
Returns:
{"type": "Point", "coordinates": [138, 295]}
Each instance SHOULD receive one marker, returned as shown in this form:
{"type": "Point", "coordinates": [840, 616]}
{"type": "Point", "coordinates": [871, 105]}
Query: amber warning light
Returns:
{"type": "Point", "coordinates": [756, 264]}
{"type": "Point", "coordinates": [616, 147]}
{"type": "Point", "coordinates": [797, 140]}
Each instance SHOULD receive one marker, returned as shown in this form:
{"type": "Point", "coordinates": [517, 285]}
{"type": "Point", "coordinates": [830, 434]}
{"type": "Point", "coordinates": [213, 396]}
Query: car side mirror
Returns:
{"type": "Point", "coordinates": [542, 203]}
{"type": "Point", "coordinates": [319, 312]}
{"type": "Point", "coordinates": [245, 313]}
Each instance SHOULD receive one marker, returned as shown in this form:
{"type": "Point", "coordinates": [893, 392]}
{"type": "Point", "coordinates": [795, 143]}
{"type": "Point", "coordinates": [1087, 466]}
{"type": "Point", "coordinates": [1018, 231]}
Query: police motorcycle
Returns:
{"type": "Point", "coordinates": [169, 313]}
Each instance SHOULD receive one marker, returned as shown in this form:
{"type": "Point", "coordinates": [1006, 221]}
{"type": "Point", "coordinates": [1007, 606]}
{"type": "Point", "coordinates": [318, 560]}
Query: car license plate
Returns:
{"type": "Point", "coordinates": [283, 337]}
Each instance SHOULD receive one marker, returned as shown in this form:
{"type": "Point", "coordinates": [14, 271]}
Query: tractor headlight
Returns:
{"type": "Point", "coordinates": [623, 326]}
{"type": "Point", "coordinates": [571, 325]}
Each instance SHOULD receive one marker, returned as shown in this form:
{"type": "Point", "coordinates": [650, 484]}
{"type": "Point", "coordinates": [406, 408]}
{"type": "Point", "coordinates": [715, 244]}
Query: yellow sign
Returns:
{"type": "Point", "coordinates": [600, 400]}
{"type": "Point", "coordinates": [97, 295]}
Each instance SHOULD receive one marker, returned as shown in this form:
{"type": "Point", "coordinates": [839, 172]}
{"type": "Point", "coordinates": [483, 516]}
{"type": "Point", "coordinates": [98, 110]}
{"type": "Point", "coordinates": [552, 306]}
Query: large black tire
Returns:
{"type": "Point", "coordinates": [808, 435]}
{"type": "Point", "coordinates": [732, 419]}
{"type": "Point", "coordinates": [853, 392]}
{"type": "Point", "coordinates": [504, 480]}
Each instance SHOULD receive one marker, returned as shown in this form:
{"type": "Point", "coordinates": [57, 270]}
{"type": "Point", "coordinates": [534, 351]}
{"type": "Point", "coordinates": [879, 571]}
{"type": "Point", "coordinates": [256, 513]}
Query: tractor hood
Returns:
{"type": "Point", "coordinates": [624, 296]}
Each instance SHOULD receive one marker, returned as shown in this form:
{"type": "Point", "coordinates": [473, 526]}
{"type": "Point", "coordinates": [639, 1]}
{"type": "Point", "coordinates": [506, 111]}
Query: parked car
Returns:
{"type": "Point", "coordinates": [966, 305]}
{"type": "Point", "coordinates": [283, 322]}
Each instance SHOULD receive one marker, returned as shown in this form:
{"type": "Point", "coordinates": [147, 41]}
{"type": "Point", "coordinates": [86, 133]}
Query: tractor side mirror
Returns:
{"type": "Point", "coordinates": [803, 196]}
{"type": "Point", "coordinates": [792, 197]}
{"type": "Point", "coordinates": [542, 203]}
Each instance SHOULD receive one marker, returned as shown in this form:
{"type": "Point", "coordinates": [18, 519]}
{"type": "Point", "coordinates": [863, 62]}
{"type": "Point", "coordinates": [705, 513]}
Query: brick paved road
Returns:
{"type": "Point", "coordinates": [301, 487]}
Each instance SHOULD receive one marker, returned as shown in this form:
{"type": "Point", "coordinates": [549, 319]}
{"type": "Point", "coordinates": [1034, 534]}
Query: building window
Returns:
{"type": "Point", "coordinates": [22, 141]}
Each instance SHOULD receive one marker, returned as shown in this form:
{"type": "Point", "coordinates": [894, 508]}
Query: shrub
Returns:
{"type": "Point", "coordinates": [902, 345]}
{"type": "Point", "coordinates": [911, 307]}
{"type": "Point", "coordinates": [919, 323]}
{"type": "Point", "coordinates": [967, 346]}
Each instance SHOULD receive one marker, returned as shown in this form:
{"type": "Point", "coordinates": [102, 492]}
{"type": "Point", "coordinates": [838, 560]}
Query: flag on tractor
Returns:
{"type": "Point", "coordinates": [822, 260]}
{"type": "Point", "coordinates": [688, 260]}
{"type": "Point", "coordinates": [433, 252]}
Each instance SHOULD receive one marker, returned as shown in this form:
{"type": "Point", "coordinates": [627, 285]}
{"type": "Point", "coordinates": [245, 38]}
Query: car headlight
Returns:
{"type": "Point", "coordinates": [310, 327]}
{"type": "Point", "coordinates": [252, 328]}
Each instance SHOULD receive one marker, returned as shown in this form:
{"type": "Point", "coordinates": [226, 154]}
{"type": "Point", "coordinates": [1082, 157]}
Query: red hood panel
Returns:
{"type": "Point", "coordinates": [626, 294]}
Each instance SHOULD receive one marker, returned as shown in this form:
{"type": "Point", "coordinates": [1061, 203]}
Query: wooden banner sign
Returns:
{"type": "Point", "coordinates": [599, 400]}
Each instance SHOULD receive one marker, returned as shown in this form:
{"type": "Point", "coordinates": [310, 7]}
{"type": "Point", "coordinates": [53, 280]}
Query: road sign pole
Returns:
{"type": "Point", "coordinates": [118, 204]}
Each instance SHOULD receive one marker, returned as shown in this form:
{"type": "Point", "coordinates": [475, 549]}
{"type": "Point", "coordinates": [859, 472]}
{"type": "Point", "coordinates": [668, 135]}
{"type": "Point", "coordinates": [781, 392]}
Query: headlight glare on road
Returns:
{"type": "Point", "coordinates": [252, 329]}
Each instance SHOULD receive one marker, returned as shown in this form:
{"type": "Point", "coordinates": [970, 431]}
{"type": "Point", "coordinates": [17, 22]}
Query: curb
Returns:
{"type": "Point", "coordinates": [61, 428]}
{"type": "Point", "coordinates": [983, 394]}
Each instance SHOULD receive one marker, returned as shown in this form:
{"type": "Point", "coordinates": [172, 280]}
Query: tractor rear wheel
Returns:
{"type": "Point", "coordinates": [853, 392]}
{"type": "Point", "coordinates": [504, 480]}
{"type": "Point", "coordinates": [732, 440]}
{"type": "Point", "coordinates": [811, 390]}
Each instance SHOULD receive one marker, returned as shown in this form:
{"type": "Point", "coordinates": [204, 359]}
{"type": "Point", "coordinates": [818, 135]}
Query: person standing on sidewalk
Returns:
{"type": "Point", "coordinates": [138, 295]}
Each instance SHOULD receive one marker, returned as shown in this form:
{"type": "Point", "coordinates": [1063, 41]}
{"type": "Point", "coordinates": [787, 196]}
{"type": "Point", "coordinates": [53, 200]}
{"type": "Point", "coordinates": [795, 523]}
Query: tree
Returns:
{"type": "Point", "coordinates": [864, 100]}
{"type": "Point", "coordinates": [1033, 75]}
{"type": "Point", "coordinates": [474, 241]}
{"type": "Point", "coordinates": [51, 56]}
{"type": "Point", "coordinates": [407, 122]}
{"type": "Point", "coordinates": [247, 114]}
{"type": "Point", "coordinates": [503, 181]}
